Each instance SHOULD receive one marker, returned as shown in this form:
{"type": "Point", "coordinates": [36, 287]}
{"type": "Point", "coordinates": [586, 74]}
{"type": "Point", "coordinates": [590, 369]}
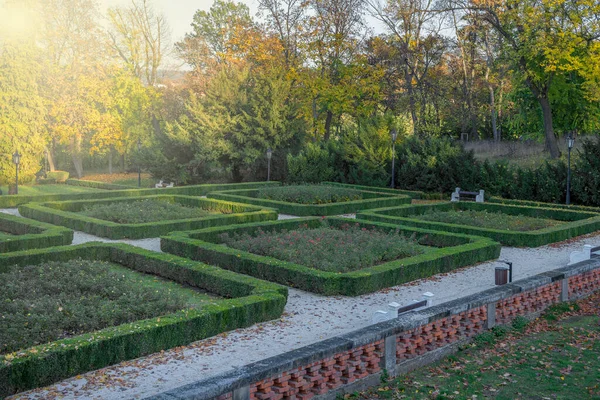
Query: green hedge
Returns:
{"type": "Point", "coordinates": [530, 203]}
{"type": "Point", "coordinates": [66, 214]}
{"type": "Point", "coordinates": [447, 253]}
{"type": "Point", "coordinates": [60, 176]}
{"type": "Point", "coordinates": [371, 199]}
{"type": "Point", "coordinates": [247, 301]}
{"type": "Point", "coordinates": [30, 234]}
{"type": "Point", "coordinates": [195, 190]}
{"type": "Point", "coordinates": [97, 185]}
{"type": "Point", "coordinates": [577, 222]}
{"type": "Point", "coordinates": [413, 194]}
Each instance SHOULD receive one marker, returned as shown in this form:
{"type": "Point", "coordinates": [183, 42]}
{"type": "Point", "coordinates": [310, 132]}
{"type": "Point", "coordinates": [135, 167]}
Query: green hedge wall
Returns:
{"type": "Point", "coordinates": [195, 190]}
{"type": "Point", "coordinates": [530, 203]}
{"type": "Point", "coordinates": [97, 185]}
{"type": "Point", "coordinates": [413, 194]}
{"type": "Point", "coordinates": [248, 301]}
{"type": "Point", "coordinates": [460, 250]}
{"type": "Point", "coordinates": [31, 234]}
{"type": "Point", "coordinates": [577, 222]}
{"type": "Point", "coordinates": [373, 200]}
{"type": "Point", "coordinates": [65, 214]}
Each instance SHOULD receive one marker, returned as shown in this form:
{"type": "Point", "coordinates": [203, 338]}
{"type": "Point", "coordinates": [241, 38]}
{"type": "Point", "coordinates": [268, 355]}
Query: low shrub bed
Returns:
{"type": "Point", "coordinates": [18, 233]}
{"type": "Point", "coordinates": [343, 249]}
{"type": "Point", "coordinates": [91, 194]}
{"type": "Point", "coordinates": [175, 315]}
{"type": "Point", "coordinates": [438, 252]}
{"type": "Point", "coordinates": [317, 201]}
{"type": "Point", "coordinates": [415, 194]}
{"type": "Point", "coordinates": [309, 194]}
{"type": "Point", "coordinates": [507, 224]}
{"type": "Point", "coordinates": [202, 213]}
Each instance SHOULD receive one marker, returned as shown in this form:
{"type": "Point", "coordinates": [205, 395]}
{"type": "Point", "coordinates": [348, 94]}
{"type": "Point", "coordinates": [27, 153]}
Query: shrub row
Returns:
{"type": "Point", "coordinates": [371, 199]}
{"type": "Point", "coordinates": [448, 252]}
{"type": "Point", "coordinates": [65, 214]}
{"type": "Point", "coordinates": [96, 184]}
{"type": "Point", "coordinates": [413, 194]}
{"type": "Point", "coordinates": [247, 301]}
{"type": "Point", "coordinates": [31, 234]}
{"type": "Point", "coordinates": [58, 176]}
{"type": "Point", "coordinates": [577, 222]}
{"type": "Point", "coordinates": [196, 190]}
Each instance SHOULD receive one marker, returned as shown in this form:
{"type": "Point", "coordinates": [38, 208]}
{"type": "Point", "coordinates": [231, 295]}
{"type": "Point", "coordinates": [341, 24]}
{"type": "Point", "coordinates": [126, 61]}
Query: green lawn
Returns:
{"type": "Point", "coordinates": [33, 190]}
{"type": "Point", "coordinates": [556, 358]}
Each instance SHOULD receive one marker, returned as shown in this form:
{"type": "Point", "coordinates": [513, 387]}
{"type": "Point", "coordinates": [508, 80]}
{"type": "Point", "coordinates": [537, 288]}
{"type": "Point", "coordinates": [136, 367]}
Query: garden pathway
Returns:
{"type": "Point", "coordinates": [308, 318]}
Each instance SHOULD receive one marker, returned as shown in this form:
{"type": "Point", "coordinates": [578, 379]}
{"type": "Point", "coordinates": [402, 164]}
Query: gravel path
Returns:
{"type": "Point", "coordinates": [308, 318]}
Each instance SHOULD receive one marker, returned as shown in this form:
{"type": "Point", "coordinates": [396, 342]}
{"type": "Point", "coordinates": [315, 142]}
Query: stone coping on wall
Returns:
{"type": "Point", "coordinates": [341, 363]}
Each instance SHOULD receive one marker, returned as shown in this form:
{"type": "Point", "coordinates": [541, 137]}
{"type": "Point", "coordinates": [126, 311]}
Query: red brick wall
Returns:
{"type": "Point", "coordinates": [527, 302]}
{"type": "Point", "coordinates": [583, 284]}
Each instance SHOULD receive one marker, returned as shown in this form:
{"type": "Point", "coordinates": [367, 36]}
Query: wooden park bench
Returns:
{"type": "Point", "coordinates": [461, 195]}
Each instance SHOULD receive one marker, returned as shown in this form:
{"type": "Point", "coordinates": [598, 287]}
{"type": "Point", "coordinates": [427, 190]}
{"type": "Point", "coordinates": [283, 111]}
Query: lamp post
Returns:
{"type": "Point", "coordinates": [570, 144]}
{"type": "Point", "coordinates": [139, 147]}
{"type": "Point", "coordinates": [394, 134]}
{"type": "Point", "coordinates": [269, 155]}
{"type": "Point", "coordinates": [17, 160]}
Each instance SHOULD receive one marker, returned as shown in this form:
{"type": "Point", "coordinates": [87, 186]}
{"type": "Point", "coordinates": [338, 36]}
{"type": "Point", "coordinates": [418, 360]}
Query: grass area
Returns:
{"type": "Point", "coordinates": [143, 211]}
{"type": "Point", "coordinates": [56, 300]}
{"type": "Point", "coordinates": [309, 194]}
{"type": "Point", "coordinates": [128, 179]}
{"type": "Point", "coordinates": [6, 235]}
{"type": "Point", "coordinates": [346, 249]}
{"type": "Point", "coordinates": [492, 220]}
{"type": "Point", "coordinates": [33, 190]}
{"type": "Point", "coordinates": [556, 357]}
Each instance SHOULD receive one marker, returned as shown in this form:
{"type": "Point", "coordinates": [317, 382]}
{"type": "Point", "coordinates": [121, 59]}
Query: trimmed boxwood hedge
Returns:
{"type": "Point", "coordinates": [530, 203]}
{"type": "Point", "coordinates": [371, 199]}
{"type": "Point", "coordinates": [31, 234]}
{"type": "Point", "coordinates": [194, 190]}
{"type": "Point", "coordinates": [97, 185]}
{"type": "Point", "coordinates": [66, 214]}
{"type": "Point", "coordinates": [577, 222]}
{"type": "Point", "coordinates": [413, 194]}
{"type": "Point", "coordinates": [448, 252]}
{"type": "Point", "coordinates": [247, 301]}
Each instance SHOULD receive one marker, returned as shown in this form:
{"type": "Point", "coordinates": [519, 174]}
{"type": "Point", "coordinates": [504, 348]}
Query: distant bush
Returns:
{"type": "Point", "coordinates": [316, 163]}
{"type": "Point", "coordinates": [59, 176]}
{"type": "Point", "coordinates": [309, 194]}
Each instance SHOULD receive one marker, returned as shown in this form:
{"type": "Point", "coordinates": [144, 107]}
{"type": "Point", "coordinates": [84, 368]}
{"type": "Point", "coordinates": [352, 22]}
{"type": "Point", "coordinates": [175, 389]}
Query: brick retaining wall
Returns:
{"type": "Point", "coordinates": [356, 360]}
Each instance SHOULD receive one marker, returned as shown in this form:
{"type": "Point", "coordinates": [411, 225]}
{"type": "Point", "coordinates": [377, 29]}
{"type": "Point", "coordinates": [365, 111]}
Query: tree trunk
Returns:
{"type": "Point", "coordinates": [50, 159]}
{"type": "Point", "coordinates": [123, 162]}
{"type": "Point", "coordinates": [551, 142]}
{"type": "Point", "coordinates": [110, 166]}
{"type": "Point", "coordinates": [411, 100]}
{"type": "Point", "coordinates": [328, 121]}
{"type": "Point", "coordinates": [76, 156]}
{"type": "Point", "coordinates": [494, 118]}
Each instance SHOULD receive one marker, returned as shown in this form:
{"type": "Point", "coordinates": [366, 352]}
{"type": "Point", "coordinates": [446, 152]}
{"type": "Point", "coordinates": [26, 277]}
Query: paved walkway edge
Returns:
{"type": "Point", "coordinates": [346, 362]}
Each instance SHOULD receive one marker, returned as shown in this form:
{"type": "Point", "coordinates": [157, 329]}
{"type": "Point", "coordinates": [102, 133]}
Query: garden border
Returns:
{"type": "Point", "coordinates": [580, 222]}
{"type": "Point", "coordinates": [65, 213]}
{"type": "Point", "coordinates": [47, 235]}
{"type": "Point", "coordinates": [249, 301]}
{"type": "Point", "coordinates": [200, 245]}
{"type": "Point", "coordinates": [11, 201]}
{"type": "Point", "coordinates": [360, 359]}
{"type": "Point", "coordinates": [284, 207]}
{"type": "Point", "coordinates": [413, 194]}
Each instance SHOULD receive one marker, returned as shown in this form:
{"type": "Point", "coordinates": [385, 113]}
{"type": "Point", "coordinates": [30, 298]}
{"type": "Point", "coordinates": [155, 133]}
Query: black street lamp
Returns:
{"type": "Point", "coordinates": [570, 144]}
{"type": "Point", "coordinates": [17, 160]}
{"type": "Point", "coordinates": [269, 155]}
{"type": "Point", "coordinates": [394, 134]}
{"type": "Point", "coordinates": [139, 148]}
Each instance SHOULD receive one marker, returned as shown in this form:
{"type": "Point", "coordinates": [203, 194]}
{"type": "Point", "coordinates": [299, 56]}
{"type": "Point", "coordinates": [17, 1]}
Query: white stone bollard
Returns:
{"type": "Point", "coordinates": [480, 197]}
{"type": "Point", "coordinates": [579, 256]}
{"type": "Point", "coordinates": [455, 195]}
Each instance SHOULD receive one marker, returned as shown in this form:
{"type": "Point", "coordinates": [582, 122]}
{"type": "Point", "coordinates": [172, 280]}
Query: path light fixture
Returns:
{"type": "Point", "coordinates": [570, 144]}
{"type": "Point", "coordinates": [139, 148]}
{"type": "Point", "coordinates": [16, 158]}
{"type": "Point", "coordinates": [269, 155]}
{"type": "Point", "coordinates": [394, 134]}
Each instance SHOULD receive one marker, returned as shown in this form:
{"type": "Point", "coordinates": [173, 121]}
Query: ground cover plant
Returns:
{"type": "Point", "coordinates": [485, 219]}
{"type": "Point", "coordinates": [153, 301]}
{"type": "Point", "coordinates": [144, 217]}
{"type": "Point", "coordinates": [57, 300]}
{"type": "Point", "coordinates": [343, 249]}
{"type": "Point", "coordinates": [309, 194]}
{"type": "Point", "coordinates": [372, 261]}
{"type": "Point", "coordinates": [554, 357]}
{"type": "Point", "coordinates": [317, 200]}
{"type": "Point", "coordinates": [512, 225]}
{"type": "Point", "coordinates": [145, 210]}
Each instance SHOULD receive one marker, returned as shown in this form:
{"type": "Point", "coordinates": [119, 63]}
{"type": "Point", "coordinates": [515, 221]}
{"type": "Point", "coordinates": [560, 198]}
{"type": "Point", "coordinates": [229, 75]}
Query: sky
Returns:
{"type": "Point", "coordinates": [179, 13]}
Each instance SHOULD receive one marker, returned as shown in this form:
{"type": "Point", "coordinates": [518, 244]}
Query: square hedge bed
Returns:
{"type": "Point", "coordinates": [66, 213]}
{"type": "Point", "coordinates": [10, 201]}
{"type": "Point", "coordinates": [445, 252]}
{"type": "Point", "coordinates": [573, 223]}
{"type": "Point", "coordinates": [18, 233]}
{"type": "Point", "coordinates": [371, 199]}
{"type": "Point", "coordinates": [245, 301]}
